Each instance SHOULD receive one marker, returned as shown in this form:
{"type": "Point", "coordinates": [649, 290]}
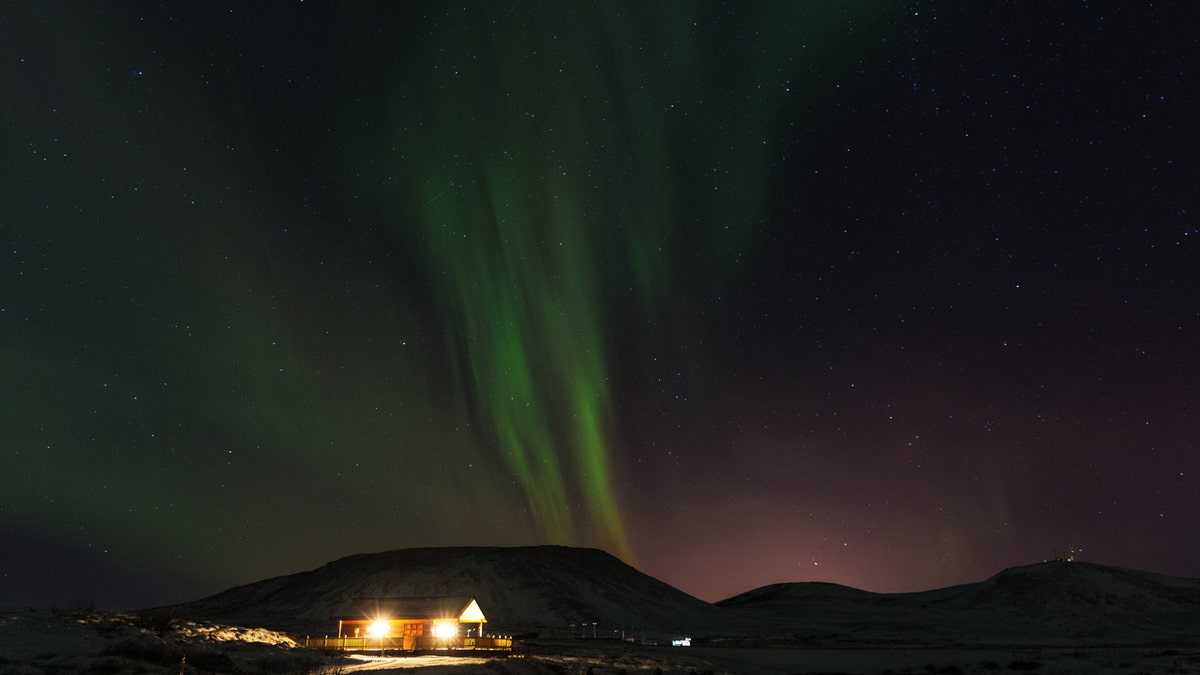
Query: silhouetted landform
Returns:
{"type": "Point", "coordinates": [545, 589]}
{"type": "Point", "coordinates": [557, 591]}
{"type": "Point", "coordinates": [1051, 603]}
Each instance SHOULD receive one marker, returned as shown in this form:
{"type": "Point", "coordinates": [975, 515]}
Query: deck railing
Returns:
{"type": "Point", "coordinates": [418, 643]}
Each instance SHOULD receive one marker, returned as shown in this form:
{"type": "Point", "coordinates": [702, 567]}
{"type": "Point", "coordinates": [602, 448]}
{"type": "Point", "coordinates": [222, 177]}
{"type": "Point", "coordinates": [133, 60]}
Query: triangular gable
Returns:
{"type": "Point", "coordinates": [472, 613]}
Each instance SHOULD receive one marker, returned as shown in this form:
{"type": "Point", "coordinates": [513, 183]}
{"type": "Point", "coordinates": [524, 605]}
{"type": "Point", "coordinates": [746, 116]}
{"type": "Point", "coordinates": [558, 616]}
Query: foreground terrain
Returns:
{"type": "Point", "coordinates": [77, 641]}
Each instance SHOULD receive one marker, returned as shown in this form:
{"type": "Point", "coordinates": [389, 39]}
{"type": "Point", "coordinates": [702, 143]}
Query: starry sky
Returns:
{"type": "Point", "coordinates": [892, 295]}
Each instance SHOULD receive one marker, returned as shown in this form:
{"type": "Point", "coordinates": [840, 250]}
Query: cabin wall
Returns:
{"type": "Point", "coordinates": [396, 627]}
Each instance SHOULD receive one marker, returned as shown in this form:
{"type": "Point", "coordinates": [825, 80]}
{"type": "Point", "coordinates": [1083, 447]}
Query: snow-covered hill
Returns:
{"type": "Point", "coordinates": [550, 590]}
{"type": "Point", "coordinates": [558, 591]}
{"type": "Point", "coordinates": [1048, 603]}
{"type": "Point", "coordinates": [1069, 617]}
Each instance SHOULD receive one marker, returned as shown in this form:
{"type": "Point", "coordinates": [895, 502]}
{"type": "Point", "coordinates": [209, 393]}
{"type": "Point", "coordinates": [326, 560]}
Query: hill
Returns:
{"type": "Point", "coordinates": [1048, 603]}
{"type": "Point", "coordinates": [561, 592]}
{"type": "Point", "coordinates": [547, 589]}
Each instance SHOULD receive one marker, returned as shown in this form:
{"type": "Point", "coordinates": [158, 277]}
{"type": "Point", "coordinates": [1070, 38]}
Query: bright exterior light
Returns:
{"type": "Point", "coordinates": [444, 629]}
{"type": "Point", "coordinates": [379, 628]}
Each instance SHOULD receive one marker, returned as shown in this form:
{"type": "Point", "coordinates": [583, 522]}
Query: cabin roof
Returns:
{"type": "Point", "coordinates": [432, 608]}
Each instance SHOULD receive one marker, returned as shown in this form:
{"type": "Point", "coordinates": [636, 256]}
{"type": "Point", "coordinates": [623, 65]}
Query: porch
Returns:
{"type": "Point", "coordinates": [409, 643]}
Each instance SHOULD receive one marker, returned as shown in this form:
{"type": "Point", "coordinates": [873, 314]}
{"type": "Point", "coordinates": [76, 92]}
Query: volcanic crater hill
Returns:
{"type": "Point", "coordinates": [1052, 603]}
{"type": "Point", "coordinates": [522, 589]}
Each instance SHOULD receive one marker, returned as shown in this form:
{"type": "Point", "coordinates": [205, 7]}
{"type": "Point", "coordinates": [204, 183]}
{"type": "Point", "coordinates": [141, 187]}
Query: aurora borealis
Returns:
{"type": "Point", "coordinates": [742, 293]}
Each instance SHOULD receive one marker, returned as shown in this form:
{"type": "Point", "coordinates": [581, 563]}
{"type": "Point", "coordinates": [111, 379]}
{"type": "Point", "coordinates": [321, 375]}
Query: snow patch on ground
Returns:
{"type": "Point", "coordinates": [47, 640]}
{"type": "Point", "coordinates": [34, 641]}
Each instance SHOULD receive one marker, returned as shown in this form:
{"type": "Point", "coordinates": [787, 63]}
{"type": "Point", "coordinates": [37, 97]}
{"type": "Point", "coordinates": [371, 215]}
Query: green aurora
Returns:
{"type": "Point", "coordinates": [552, 169]}
{"type": "Point", "coordinates": [401, 309]}
{"type": "Point", "coordinates": [889, 295]}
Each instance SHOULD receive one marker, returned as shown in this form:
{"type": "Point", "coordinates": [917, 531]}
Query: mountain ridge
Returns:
{"type": "Point", "coordinates": [561, 591]}
{"type": "Point", "coordinates": [1054, 602]}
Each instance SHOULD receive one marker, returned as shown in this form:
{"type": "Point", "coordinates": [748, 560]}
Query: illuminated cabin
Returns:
{"type": "Point", "coordinates": [411, 624]}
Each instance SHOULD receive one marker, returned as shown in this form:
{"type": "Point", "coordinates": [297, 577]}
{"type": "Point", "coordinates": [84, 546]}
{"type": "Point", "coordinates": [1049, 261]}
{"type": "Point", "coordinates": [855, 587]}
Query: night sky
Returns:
{"type": "Point", "coordinates": [892, 295]}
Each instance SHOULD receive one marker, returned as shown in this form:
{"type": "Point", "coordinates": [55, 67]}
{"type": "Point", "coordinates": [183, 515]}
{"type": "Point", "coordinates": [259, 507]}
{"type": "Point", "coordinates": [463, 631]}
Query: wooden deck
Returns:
{"type": "Point", "coordinates": [424, 643]}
